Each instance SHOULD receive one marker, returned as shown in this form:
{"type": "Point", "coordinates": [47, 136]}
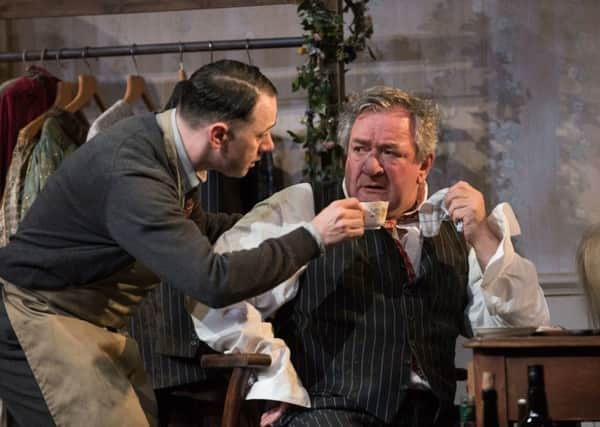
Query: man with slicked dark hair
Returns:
{"type": "Point", "coordinates": [116, 218]}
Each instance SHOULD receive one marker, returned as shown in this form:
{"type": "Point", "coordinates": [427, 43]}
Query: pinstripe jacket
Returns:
{"type": "Point", "coordinates": [357, 320]}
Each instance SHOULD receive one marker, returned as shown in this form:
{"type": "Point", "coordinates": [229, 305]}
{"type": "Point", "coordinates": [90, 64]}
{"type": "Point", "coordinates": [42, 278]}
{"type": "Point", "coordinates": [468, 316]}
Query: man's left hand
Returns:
{"type": "Point", "coordinates": [466, 204]}
{"type": "Point", "coordinates": [271, 416]}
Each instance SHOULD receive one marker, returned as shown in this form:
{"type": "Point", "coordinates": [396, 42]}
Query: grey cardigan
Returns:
{"type": "Point", "coordinates": [114, 201]}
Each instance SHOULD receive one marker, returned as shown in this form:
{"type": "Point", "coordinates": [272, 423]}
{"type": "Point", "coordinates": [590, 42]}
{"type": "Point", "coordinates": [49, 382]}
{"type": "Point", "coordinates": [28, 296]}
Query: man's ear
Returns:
{"type": "Point", "coordinates": [217, 135]}
{"type": "Point", "coordinates": [425, 168]}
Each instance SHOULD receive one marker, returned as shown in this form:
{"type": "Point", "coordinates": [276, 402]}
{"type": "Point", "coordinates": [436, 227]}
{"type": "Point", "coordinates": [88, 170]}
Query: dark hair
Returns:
{"type": "Point", "coordinates": [224, 90]}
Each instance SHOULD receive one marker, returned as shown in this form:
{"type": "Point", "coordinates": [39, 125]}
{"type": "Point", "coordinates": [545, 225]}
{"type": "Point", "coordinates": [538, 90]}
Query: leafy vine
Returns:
{"type": "Point", "coordinates": [324, 47]}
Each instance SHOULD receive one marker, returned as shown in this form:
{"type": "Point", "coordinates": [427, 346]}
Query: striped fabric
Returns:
{"type": "Point", "coordinates": [167, 340]}
{"type": "Point", "coordinates": [418, 410]}
{"type": "Point", "coordinates": [358, 320]}
{"type": "Point", "coordinates": [327, 418]}
{"type": "Point", "coordinates": [162, 326]}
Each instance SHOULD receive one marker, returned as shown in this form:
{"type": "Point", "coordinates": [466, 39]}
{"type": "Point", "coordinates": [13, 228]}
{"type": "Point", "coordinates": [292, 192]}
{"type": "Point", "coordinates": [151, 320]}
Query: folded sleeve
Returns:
{"type": "Point", "coordinates": [508, 292]}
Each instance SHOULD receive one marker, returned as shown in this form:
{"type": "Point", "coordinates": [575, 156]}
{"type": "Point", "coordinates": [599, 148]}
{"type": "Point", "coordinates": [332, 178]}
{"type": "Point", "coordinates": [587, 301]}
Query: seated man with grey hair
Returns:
{"type": "Point", "coordinates": [370, 334]}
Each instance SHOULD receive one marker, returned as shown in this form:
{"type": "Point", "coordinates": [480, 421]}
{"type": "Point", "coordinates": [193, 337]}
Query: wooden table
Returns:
{"type": "Point", "coordinates": [571, 373]}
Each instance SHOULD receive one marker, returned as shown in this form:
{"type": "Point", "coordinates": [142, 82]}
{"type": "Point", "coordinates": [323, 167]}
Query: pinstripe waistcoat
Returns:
{"type": "Point", "coordinates": [357, 320]}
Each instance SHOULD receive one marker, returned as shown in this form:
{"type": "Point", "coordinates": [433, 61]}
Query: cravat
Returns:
{"type": "Point", "coordinates": [390, 226]}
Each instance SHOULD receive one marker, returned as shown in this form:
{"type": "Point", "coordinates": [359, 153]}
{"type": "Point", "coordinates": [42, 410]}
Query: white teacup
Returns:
{"type": "Point", "coordinates": [375, 214]}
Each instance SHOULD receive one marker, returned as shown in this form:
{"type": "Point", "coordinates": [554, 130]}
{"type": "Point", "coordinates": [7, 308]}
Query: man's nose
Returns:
{"type": "Point", "coordinates": [267, 145]}
{"type": "Point", "coordinates": [372, 166]}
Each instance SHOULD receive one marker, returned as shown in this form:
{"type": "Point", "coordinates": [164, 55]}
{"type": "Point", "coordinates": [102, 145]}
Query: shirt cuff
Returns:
{"type": "Point", "coordinates": [504, 225]}
{"type": "Point", "coordinates": [316, 235]}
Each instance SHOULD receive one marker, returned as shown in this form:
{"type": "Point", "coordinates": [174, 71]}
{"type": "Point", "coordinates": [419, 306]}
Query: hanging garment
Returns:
{"type": "Point", "coordinates": [21, 102]}
{"type": "Point", "coordinates": [60, 126]}
{"type": "Point", "coordinates": [62, 133]}
{"type": "Point", "coordinates": [6, 84]}
{"type": "Point", "coordinates": [11, 200]}
{"type": "Point", "coordinates": [116, 112]}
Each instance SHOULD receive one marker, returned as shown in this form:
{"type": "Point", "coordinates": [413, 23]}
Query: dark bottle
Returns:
{"type": "Point", "coordinates": [521, 411]}
{"type": "Point", "coordinates": [537, 415]}
{"type": "Point", "coordinates": [490, 400]}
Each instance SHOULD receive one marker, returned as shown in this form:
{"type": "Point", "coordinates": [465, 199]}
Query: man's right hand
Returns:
{"type": "Point", "coordinates": [273, 414]}
{"type": "Point", "coordinates": [339, 221]}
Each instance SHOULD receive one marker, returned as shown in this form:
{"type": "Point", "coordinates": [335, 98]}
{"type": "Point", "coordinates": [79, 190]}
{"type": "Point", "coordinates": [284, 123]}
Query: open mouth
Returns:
{"type": "Point", "coordinates": [373, 187]}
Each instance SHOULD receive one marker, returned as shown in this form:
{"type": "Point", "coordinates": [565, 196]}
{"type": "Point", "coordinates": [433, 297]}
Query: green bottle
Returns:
{"type": "Point", "coordinates": [467, 412]}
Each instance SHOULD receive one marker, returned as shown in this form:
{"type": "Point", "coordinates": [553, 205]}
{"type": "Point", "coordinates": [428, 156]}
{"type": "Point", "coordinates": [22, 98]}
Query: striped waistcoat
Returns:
{"type": "Point", "coordinates": [357, 320]}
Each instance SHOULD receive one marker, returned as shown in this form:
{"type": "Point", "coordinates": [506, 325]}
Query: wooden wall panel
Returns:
{"type": "Point", "coordinates": [10, 9]}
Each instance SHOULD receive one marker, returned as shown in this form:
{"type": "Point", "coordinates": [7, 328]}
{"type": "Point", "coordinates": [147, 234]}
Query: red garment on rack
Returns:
{"type": "Point", "coordinates": [21, 102]}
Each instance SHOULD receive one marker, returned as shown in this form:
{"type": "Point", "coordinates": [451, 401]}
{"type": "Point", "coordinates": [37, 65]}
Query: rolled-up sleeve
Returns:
{"type": "Point", "coordinates": [508, 292]}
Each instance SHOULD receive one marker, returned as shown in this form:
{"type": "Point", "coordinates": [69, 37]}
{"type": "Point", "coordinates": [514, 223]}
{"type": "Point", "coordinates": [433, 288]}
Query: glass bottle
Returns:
{"type": "Point", "coordinates": [537, 414]}
{"type": "Point", "coordinates": [467, 412]}
{"type": "Point", "coordinates": [490, 400]}
{"type": "Point", "coordinates": [521, 411]}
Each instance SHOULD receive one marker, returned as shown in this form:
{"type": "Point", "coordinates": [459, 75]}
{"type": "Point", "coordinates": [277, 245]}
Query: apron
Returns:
{"type": "Point", "coordinates": [89, 374]}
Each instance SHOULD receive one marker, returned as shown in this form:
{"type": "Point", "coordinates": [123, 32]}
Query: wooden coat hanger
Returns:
{"type": "Point", "coordinates": [87, 90]}
{"type": "Point", "coordinates": [64, 94]}
{"type": "Point", "coordinates": [181, 74]}
{"type": "Point", "coordinates": [136, 87]}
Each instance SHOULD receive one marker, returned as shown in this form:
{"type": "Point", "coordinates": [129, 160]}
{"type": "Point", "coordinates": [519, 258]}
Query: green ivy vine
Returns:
{"type": "Point", "coordinates": [324, 47]}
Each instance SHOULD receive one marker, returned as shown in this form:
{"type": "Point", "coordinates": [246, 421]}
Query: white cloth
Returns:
{"type": "Point", "coordinates": [433, 212]}
{"type": "Point", "coordinates": [507, 293]}
{"type": "Point", "coordinates": [240, 328]}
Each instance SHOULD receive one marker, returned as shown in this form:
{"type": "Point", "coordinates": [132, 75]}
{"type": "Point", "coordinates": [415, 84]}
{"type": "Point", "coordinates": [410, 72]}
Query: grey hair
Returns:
{"type": "Point", "coordinates": [424, 115]}
{"type": "Point", "coordinates": [588, 269]}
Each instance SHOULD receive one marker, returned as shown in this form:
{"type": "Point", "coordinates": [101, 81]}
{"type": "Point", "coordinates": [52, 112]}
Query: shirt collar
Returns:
{"type": "Point", "coordinates": [191, 178]}
{"type": "Point", "coordinates": [422, 194]}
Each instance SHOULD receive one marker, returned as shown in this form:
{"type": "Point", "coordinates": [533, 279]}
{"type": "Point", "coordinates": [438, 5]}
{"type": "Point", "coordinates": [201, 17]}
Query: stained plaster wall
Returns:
{"type": "Point", "coordinates": [518, 82]}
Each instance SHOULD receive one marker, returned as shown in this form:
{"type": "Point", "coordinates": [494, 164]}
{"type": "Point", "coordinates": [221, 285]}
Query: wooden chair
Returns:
{"type": "Point", "coordinates": [219, 402]}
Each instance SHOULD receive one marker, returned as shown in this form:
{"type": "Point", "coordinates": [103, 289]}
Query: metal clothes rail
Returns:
{"type": "Point", "coordinates": [151, 49]}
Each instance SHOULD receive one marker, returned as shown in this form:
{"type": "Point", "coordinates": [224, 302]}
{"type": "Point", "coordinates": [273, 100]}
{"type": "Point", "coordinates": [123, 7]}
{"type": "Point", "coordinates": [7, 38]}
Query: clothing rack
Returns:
{"type": "Point", "coordinates": [151, 49]}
